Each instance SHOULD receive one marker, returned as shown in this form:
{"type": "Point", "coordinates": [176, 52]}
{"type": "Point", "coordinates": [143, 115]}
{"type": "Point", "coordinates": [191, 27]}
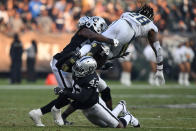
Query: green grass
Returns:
{"type": "Point", "coordinates": [159, 109]}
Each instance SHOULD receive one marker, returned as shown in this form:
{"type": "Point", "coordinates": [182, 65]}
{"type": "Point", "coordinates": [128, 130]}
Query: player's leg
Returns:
{"type": "Point", "coordinates": [181, 74]}
{"type": "Point", "coordinates": [127, 65]}
{"type": "Point", "coordinates": [186, 75]}
{"type": "Point", "coordinates": [151, 80]}
{"type": "Point", "coordinates": [100, 115]}
{"type": "Point", "coordinates": [70, 109]}
{"type": "Point", "coordinates": [105, 93]}
{"type": "Point", "coordinates": [63, 78]}
{"type": "Point", "coordinates": [126, 73]}
{"type": "Point", "coordinates": [36, 114]}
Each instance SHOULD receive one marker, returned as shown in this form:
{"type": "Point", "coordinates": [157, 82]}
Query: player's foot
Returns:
{"type": "Point", "coordinates": [67, 122]}
{"type": "Point", "coordinates": [35, 115]}
{"type": "Point", "coordinates": [125, 82]}
{"type": "Point", "coordinates": [123, 103]}
{"type": "Point", "coordinates": [134, 121]}
{"type": "Point", "coordinates": [186, 83]}
{"type": "Point", "coordinates": [56, 113]}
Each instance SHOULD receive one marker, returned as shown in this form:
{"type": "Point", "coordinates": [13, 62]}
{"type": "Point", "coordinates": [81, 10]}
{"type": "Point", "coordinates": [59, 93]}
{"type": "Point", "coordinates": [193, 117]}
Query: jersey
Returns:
{"type": "Point", "coordinates": [140, 23]}
{"type": "Point", "coordinates": [85, 92]}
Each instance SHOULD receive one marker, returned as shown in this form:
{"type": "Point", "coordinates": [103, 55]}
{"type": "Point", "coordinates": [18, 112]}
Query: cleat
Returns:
{"type": "Point", "coordinates": [56, 113]}
{"type": "Point", "coordinates": [123, 103]}
{"type": "Point", "coordinates": [134, 121]}
{"type": "Point", "coordinates": [35, 115]}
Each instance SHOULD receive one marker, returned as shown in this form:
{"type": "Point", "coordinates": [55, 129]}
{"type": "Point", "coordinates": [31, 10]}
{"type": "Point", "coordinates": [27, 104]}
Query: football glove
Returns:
{"type": "Point", "coordinates": [58, 90]}
{"type": "Point", "coordinates": [115, 42]}
{"type": "Point", "coordinates": [107, 66]}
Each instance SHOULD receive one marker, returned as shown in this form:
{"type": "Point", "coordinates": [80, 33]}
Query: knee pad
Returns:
{"type": "Point", "coordinates": [105, 94]}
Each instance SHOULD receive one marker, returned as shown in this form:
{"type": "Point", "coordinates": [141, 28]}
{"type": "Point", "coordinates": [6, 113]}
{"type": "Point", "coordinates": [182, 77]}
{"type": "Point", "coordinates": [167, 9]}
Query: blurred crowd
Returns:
{"type": "Point", "coordinates": [62, 15]}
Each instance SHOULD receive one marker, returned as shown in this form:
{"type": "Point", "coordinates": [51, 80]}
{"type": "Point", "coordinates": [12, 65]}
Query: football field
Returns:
{"type": "Point", "coordinates": [169, 108]}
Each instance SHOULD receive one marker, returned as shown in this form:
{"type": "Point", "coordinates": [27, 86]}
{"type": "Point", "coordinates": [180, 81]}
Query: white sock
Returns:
{"type": "Point", "coordinates": [151, 78]}
{"type": "Point", "coordinates": [117, 110]}
{"type": "Point", "coordinates": [186, 76]}
{"type": "Point", "coordinates": [125, 78]}
{"type": "Point", "coordinates": [180, 78]}
{"type": "Point", "coordinates": [183, 78]}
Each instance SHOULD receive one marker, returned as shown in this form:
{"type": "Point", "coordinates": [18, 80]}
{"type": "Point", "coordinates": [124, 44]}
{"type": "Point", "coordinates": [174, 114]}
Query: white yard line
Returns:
{"type": "Point", "coordinates": [170, 127]}
{"type": "Point", "coordinates": [163, 96]}
{"type": "Point", "coordinates": [112, 86]}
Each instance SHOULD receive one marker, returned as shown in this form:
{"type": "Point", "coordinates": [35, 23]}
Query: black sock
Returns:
{"type": "Point", "coordinates": [61, 101]}
{"type": "Point", "coordinates": [123, 122]}
{"type": "Point", "coordinates": [47, 108]}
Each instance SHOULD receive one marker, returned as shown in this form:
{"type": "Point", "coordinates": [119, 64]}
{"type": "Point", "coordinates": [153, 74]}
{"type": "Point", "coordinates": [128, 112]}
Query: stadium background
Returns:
{"type": "Point", "coordinates": [52, 23]}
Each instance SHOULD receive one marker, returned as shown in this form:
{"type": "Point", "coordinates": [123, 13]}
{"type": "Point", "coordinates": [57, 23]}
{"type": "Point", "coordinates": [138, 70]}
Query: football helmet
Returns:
{"type": "Point", "coordinates": [83, 20]}
{"type": "Point", "coordinates": [84, 66]}
{"type": "Point", "coordinates": [98, 23]}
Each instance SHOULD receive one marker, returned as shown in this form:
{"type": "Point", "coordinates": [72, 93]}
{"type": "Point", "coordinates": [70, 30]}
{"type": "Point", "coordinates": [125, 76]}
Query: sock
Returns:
{"type": "Point", "coordinates": [125, 78]}
{"type": "Point", "coordinates": [126, 118]}
{"type": "Point", "coordinates": [151, 78]}
{"type": "Point", "coordinates": [123, 121]}
{"type": "Point", "coordinates": [183, 78]}
{"type": "Point", "coordinates": [186, 76]}
{"type": "Point", "coordinates": [47, 108]}
{"type": "Point", "coordinates": [116, 111]}
{"type": "Point", "coordinates": [180, 78]}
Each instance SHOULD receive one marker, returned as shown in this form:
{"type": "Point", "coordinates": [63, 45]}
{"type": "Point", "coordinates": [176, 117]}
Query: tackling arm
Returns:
{"type": "Point", "coordinates": [97, 37]}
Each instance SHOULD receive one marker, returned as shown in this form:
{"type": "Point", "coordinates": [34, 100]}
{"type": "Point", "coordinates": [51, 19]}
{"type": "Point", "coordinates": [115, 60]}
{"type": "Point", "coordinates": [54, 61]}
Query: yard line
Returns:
{"type": "Point", "coordinates": [169, 127]}
{"type": "Point", "coordinates": [180, 118]}
{"type": "Point", "coordinates": [112, 86]}
{"type": "Point", "coordinates": [174, 106]}
{"type": "Point", "coordinates": [166, 96]}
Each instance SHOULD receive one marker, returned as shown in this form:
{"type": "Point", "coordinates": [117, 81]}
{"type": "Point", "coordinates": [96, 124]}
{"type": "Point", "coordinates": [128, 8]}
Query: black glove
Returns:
{"type": "Point", "coordinates": [107, 66]}
{"type": "Point", "coordinates": [58, 90]}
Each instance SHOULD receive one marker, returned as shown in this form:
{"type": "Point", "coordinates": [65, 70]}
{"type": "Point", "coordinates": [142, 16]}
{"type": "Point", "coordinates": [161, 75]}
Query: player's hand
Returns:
{"type": "Point", "coordinates": [107, 66]}
{"type": "Point", "coordinates": [115, 42]}
{"type": "Point", "coordinates": [159, 75]}
{"type": "Point", "coordinates": [58, 90]}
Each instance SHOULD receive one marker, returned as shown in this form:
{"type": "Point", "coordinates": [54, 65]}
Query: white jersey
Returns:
{"type": "Point", "coordinates": [140, 23]}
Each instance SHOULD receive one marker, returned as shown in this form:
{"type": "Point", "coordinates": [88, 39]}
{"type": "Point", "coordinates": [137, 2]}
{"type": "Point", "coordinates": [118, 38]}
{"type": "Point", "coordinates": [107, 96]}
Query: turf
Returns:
{"type": "Point", "coordinates": [170, 108]}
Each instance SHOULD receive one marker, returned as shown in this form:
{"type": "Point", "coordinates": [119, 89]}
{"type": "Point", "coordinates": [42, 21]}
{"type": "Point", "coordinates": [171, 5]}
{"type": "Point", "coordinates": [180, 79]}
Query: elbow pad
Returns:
{"type": "Point", "coordinates": [158, 49]}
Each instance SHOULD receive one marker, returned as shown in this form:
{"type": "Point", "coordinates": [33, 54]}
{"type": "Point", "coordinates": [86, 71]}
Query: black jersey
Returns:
{"type": "Point", "coordinates": [84, 91]}
{"type": "Point", "coordinates": [75, 42]}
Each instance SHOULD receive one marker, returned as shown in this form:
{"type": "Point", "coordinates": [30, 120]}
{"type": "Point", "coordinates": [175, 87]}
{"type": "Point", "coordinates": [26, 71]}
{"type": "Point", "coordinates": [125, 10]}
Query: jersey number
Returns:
{"type": "Point", "coordinates": [140, 18]}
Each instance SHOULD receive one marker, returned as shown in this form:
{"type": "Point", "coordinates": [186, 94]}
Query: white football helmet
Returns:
{"type": "Point", "coordinates": [84, 66]}
{"type": "Point", "coordinates": [83, 20]}
{"type": "Point", "coordinates": [98, 24]}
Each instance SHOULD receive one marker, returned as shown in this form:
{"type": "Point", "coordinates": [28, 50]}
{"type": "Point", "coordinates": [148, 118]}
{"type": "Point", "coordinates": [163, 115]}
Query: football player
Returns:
{"type": "Point", "coordinates": [87, 32]}
{"type": "Point", "coordinates": [128, 27]}
{"type": "Point", "coordinates": [86, 97]}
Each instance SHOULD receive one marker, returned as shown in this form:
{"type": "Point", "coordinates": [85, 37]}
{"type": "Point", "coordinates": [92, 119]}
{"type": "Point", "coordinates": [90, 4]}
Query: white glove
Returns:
{"type": "Point", "coordinates": [159, 75]}
{"type": "Point", "coordinates": [116, 42]}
